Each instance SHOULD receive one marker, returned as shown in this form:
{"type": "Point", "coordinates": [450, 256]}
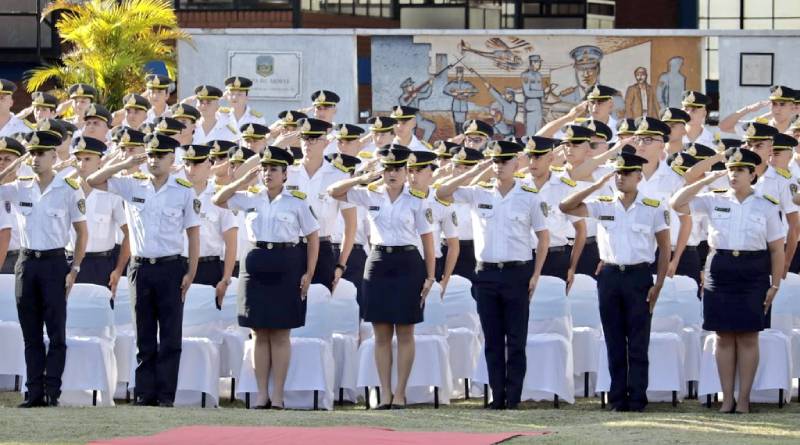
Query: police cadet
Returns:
{"type": "Point", "coordinates": [477, 134]}
{"type": "Point", "coordinates": [630, 226]}
{"type": "Point", "coordinates": [10, 150]}
{"type": "Point", "coordinates": [218, 227]}
{"type": "Point", "coordinates": [157, 93]}
{"type": "Point", "coordinates": [312, 177]}
{"type": "Point", "coordinates": [239, 113]}
{"type": "Point", "coordinates": [677, 120]}
{"type": "Point", "coordinates": [445, 221]}
{"type": "Point", "coordinates": [104, 216]}
{"type": "Point", "coordinates": [696, 105]}
{"type": "Point", "coordinates": [348, 138]}
{"type": "Point", "coordinates": [275, 276]}
{"type": "Point", "coordinates": [254, 137]}
{"type": "Point", "coordinates": [9, 123]}
{"type": "Point", "coordinates": [396, 279]}
{"type": "Point", "coordinates": [43, 106]}
{"type": "Point", "coordinates": [96, 120]}
{"type": "Point", "coordinates": [504, 214]}
{"type": "Point", "coordinates": [240, 161]}
{"type": "Point", "coordinates": [81, 96]}
{"type": "Point", "coordinates": [781, 112]}
{"type": "Point", "coordinates": [159, 208]}
{"type": "Point", "coordinates": [405, 127]}
{"type": "Point", "coordinates": [744, 268]}
{"type": "Point", "coordinates": [209, 127]}
{"type": "Point", "coordinates": [135, 109]}
{"type": "Point", "coordinates": [188, 116]}
{"type": "Point", "coordinates": [603, 134]}
{"type": "Point", "coordinates": [381, 132]}
{"type": "Point", "coordinates": [45, 208]}
{"type": "Point", "coordinates": [601, 106]}
{"type": "Point", "coordinates": [562, 259]}
{"type": "Point", "coordinates": [219, 156]}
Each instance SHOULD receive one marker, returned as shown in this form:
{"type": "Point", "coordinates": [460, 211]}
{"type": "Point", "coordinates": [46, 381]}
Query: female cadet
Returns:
{"type": "Point", "coordinates": [741, 277]}
{"type": "Point", "coordinates": [273, 281]}
{"type": "Point", "coordinates": [396, 280]}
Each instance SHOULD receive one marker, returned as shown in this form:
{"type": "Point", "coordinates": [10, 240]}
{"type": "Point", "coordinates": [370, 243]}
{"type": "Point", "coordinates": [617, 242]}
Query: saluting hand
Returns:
{"type": "Point", "coordinates": [305, 282]}
{"type": "Point", "coordinates": [135, 160]}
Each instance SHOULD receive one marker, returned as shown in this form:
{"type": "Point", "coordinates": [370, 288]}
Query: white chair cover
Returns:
{"type": "Point", "coordinates": [587, 331]}
{"type": "Point", "coordinates": [345, 321]}
{"type": "Point", "coordinates": [125, 343]}
{"type": "Point", "coordinates": [12, 346]}
{"type": "Point", "coordinates": [464, 334]}
{"type": "Point", "coordinates": [8, 300]}
{"type": "Point", "coordinates": [90, 363]}
{"type": "Point", "coordinates": [678, 304]}
{"type": "Point", "coordinates": [786, 316]}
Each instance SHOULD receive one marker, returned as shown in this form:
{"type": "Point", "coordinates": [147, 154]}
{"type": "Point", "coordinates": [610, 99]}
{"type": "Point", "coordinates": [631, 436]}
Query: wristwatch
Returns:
{"type": "Point", "coordinates": [341, 266]}
{"type": "Point", "coordinates": [775, 287]}
{"type": "Point", "coordinates": [77, 269]}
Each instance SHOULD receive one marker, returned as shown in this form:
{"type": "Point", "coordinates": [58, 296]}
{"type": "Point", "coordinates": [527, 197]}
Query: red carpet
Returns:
{"type": "Point", "coordinates": [223, 435]}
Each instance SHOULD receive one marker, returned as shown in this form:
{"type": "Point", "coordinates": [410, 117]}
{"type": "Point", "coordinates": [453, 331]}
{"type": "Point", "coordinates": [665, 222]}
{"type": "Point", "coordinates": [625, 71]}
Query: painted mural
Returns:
{"type": "Point", "coordinates": [521, 82]}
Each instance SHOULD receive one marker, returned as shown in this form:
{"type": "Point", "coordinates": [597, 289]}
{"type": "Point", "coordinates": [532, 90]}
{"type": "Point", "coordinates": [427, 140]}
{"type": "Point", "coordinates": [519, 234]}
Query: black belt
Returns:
{"type": "Point", "coordinates": [502, 265]}
{"type": "Point", "coordinates": [355, 246]}
{"type": "Point", "coordinates": [394, 249]}
{"type": "Point", "coordinates": [270, 245]}
{"type": "Point", "coordinates": [557, 249]}
{"type": "Point", "coordinates": [322, 239]}
{"type": "Point", "coordinates": [12, 252]}
{"type": "Point", "coordinates": [690, 248]}
{"type": "Point", "coordinates": [43, 253]}
{"type": "Point", "coordinates": [737, 253]}
{"type": "Point", "coordinates": [159, 260]}
{"type": "Point", "coordinates": [591, 239]}
{"type": "Point", "coordinates": [207, 259]}
{"type": "Point", "coordinates": [106, 253]}
{"type": "Point", "coordinates": [628, 267]}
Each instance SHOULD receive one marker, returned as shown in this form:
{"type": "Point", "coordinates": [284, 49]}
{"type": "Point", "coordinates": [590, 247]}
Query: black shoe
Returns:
{"type": "Point", "coordinates": [277, 407]}
{"type": "Point", "coordinates": [52, 402]}
{"type": "Point", "coordinates": [514, 406]}
{"type": "Point", "coordinates": [166, 404]}
{"type": "Point", "coordinates": [33, 403]}
{"type": "Point", "coordinates": [620, 409]}
{"type": "Point", "coordinates": [384, 406]}
{"type": "Point", "coordinates": [145, 402]}
{"type": "Point", "coordinates": [497, 404]}
{"type": "Point", "coordinates": [267, 405]}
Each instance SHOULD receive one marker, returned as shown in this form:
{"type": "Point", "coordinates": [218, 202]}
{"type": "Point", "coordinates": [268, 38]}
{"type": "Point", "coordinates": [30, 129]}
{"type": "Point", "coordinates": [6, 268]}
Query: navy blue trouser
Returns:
{"type": "Point", "coordinates": [96, 269]}
{"type": "Point", "coordinates": [158, 310]}
{"type": "Point", "coordinates": [42, 304]}
{"type": "Point", "coordinates": [625, 314]}
{"type": "Point", "coordinates": [503, 310]}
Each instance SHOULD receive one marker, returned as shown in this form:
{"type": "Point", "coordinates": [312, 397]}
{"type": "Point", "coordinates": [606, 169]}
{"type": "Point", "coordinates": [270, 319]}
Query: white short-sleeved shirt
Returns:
{"type": "Point", "coordinates": [325, 207]}
{"type": "Point", "coordinates": [104, 216]}
{"type": "Point", "coordinates": [214, 222]}
{"type": "Point", "coordinates": [283, 220]}
{"type": "Point", "coordinates": [250, 116]}
{"type": "Point", "coordinates": [7, 221]}
{"type": "Point", "coordinates": [222, 130]}
{"type": "Point", "coordinates": [44, 218]}
{"type": "Point", "coordinates": [503, 225]}
{"type": "Point", "coordinates": [415, 144]}
{"type": "Point", "coordinates": [156, 219]}
{"type": "Point", "coordinates": [398, 223]}
{"type": "Point", "coordinates": [705, 138]}
{"type": "Point", "coordinates": [734, 225]}
{"type": "Point", "coordinates": [628, 237]}
{"type": "Point", "coordinates": [552, 192]}
{"type": "Point", "coordinates": [606, 189]}
{"type": "Point", "coordinates": [781, 187]}
{"type": "Point", "coordinates": [464, 216]}
{"type": "Point", "coordinates": [13, 126]}
{"type": "Point", "coordinates": [362, 228]}
{"type": "Point", "coordinates": [445, 223]}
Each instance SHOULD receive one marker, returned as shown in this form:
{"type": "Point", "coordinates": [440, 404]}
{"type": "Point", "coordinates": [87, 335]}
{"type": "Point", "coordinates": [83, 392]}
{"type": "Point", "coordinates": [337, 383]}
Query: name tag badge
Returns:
{"type": "Point", "coordinates": [292, 187]}
{"type": "Point", "coordinates": [484, 206]}
{"type": "Point", "coordinates": [251, 210]}
{"type": "Point", "coordinates": [138, 200]}
{"type": "Point", "coordinates": [26, 204]}
{"type": "Point", "coordinates": [374, 208]}
{"type": "Point", "coordinates": [606, 218]}
{"type": "Point", "coordinates": [722, 209]}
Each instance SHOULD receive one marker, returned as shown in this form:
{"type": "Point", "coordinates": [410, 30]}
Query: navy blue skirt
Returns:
{"type": "Point", "coordinates": [269, 289]}
{"type": "Point", "coordinates": [392, 285]}
{"type": "Point", "coordinates": [734, 292]}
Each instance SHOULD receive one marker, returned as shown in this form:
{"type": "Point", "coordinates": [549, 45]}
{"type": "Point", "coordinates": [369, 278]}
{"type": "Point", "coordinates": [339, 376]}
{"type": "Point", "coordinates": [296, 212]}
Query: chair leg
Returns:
{"type": "Point", "coordinates": [247, 400]}
{"type": "Point", "coordinates": [316, 400]}
{"type": "Point", "coordinates": [691, 389]}
{"type": "Point", "coordinates": [586, 384]}
{"type": "Point", "coordinates": [780, 398]}
{"type": "Point", "coordinates": [378, 394]}
{"type": "Point", "coordinates": [366, 397]}
{"type": "Point", "coordinates": [94, 397]}
{"type": "Point", "coordinates": [708, 401]}
{"type": "Point", "coordinates": [127, 394]}
{"type": "Point", "coordinates": [466, 389]}
{"type": "Point", "coordinates": [233, 389]}
{"type": "Point", "coordinates": [203, 400]}
{"type": "Point", "coordinates": [16, 383]}
{"type": "Point", "coordinates": [555, 401]}
{"type": "Point", "coordinates": [602, 399]}
{"type": "Point", "coordinates": [716, 398]}
{"type": "Point", "coordinates": [341, 396]}
{"type": "Point", "coordinates": [485, 395]}
{"type": "Point", "coordinates": [436, 397]}
{"type": "Point", "coordinates": [674, 398]}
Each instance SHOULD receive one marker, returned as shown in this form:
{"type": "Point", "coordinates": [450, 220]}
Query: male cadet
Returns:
{"type": "Point", "coordinates": [157, 92]}
{"type": "Point", "coordinates": [445, 221]}
{"type": "Point", "coordinates": [404, 128]}
{"type": "Point", "coordinates": [9, 124]}
{"type": "Point", "coordinates": [312, 177]}
{"type": "Point", "coordinates": [676, 119]}
{"type": "Point", "coordinates": [10, 150]}
{"type": "Point", "coordinates": [45, 207]}
{"type": "Point", "coordinates": [95, 122]}
{"type": "Point", "coordinates": [626, 128]}
{"type": "Point", "coordinates": [131, 143]}
{"type": "Point", "coordinates": [562, 259]}
{"type": "Point", "coordinates": [630, 227]}
{"type": "Point", "coordinates": [186, 115]}
{"type": "Point", "coordinates": [134, 111]}
{"type": "Point", "coordinates": [43, 106]}
{"type": "Point", "coordinates": [159, 209]}
{"type": "Point", "coordinates": [240, 161]}
{"type": "Point", "coordinates": [218, 229]}
{"type": "Point", "coordinates": [602, 136]}
{"type": "Point", "coordinates": [461, 91]}
{"type": "Point", "coordinates": [283, 132]}
{"type": "Point", "coordinates": [218, 156]}
{"type": "Point", "coordinates": [348, 139]}
{"type": "Point", "coordinates": [239, 113]}
{"type": "Point", "coordinates": [696, 105]}
{"type": "Point", "coordinates": [503, 216]}
{"type": "Point", "coordinates": [533, 90]}
{"type": "Point", "coordinates": [208, 126]}
{"type": "Point", "coordinates": [381, 132]}
{"type": "Point", "coordinates": [324, 105]}
{"type": "Point", "coordinates": [81, 96]}
{"type": "Point", "coordinates": [254, 137]}
{"type": "Point", "coordinates": [104, 216]}
{"type": "Point", "coordinates": [601, 106]}
{"type": "Point", "coordinates": [781, 111]}
{"type": "Point", "coordinates": [477, 134]}
{"type": "Point", "coordinates": [171, 127]}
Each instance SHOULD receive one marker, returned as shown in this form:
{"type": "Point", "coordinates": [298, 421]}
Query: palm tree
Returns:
{"type": "Point", "coordinates": [107, 44]}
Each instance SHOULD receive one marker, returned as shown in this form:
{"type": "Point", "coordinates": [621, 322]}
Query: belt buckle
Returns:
{"type": "Point", "coordinates": [37, 254]}
{"type": "Point", "coordinates": [389, 249]}
{"type": "Point", "coordinates": [499, 265]}
{"type": "Point", "coordinates": [622, 268]}
{"type": "Point", "coordinates": [270, 246]}
{"type": "Point", "coordinates": [152, 261]}
{"type": "Point", "coordinates": [736, 253]}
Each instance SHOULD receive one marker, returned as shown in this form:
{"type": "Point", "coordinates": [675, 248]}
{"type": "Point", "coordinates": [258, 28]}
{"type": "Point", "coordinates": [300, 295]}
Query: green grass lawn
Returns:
{"type": "Point", "coordinates": [582, 423]}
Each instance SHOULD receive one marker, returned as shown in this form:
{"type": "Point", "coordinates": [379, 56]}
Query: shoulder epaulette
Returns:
{"type": "Point", "coordinates": [231, 128]}
{"type": "Point", "coordinates": [224, 110]}
{"type": "Point", "coordinates": [785, 173]}
{"type": "Point", "coordinates": [253, 189]}
{"type": "Point", "coordinates": [651, 202]}
{"type": "Point", "coordinates": [256, 113]}
{"type": "Point", "coordinates": [364, 155]}
{"type": "Point", "coordinates": [29, 124]}
{"type": "Point", "coordinates": [340, 167]}
{"type": "Point", "coordinates": [436, 185]}
{"type": "Point", "coordinates": [139, 175]}
{"type": "Point", "coordinates": [719, 190]}
{"type": "Point", "coordinates": [373, 187]}
{"type": "Point", "coordinates": [485, 184]}
{"type": "Point", "coordinates": [298, 194]}
{"type": "Point", "coordinates": [183, 182]}
{"type": "Point", "coordinates": [418, 194]}
{"type": "Point", "coordinates": [427, 145]}
{"type": "Point", "coordinates": [553, 168]}
{"type": "Point", "coordinates": [218, 187]}
{"type": "Point", "coordinates": [519, 175]}
{"type": "Point", "coordinates": [568, 181]}
{"type": "Point", "coordinates": [771, 199]}
{"type": "Point", "coordinates": [605, 198]}
{"type": "Point", "coordinates": [678, 170]}
{"type": "Point", "coordinates": [25, 178]}
{"type": "Point", "coordinates": [72, 183]}
{"type": "Point", "coordinates": [762, 120]}
{"type": "Point", "coordinates": [443, 202]}
{"type": "Point", "coordinates": [528, 188]}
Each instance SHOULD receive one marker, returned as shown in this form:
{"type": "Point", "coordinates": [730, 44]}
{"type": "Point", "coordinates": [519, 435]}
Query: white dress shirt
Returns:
{"type": "Point", "coordinates": [156, 219]}
{"type": "Point", "coordinates": [705, 137]}
{"type": "Point", "coordinates": [398, 223]}
{"type": "Point", "coordinates": [315, 187]}
{"type": "Point", "coordinates": [552, 192]}
{"type": "Point", "coordinates": [781, 187]}
{"type": "Point", "coordinates": [445, 223]}
{"type": "Point", "coordinates": [104, 216]}
{"type": "Point", "coordinates": [214, 222]}
{"type": "Point", "coordinates": [222, 130]}
{"type": "Point", "coordinates": [734, 225]}
{"type": "Point", "coordinates": [14, 125]}
{"type": "Point", "coordinates": [502, 225]}
{"type": "Point", "coordinates": [283, 220]}
{"type": "Point", "coordinates": [628, 236]}
{"type": "Point", "coordinates": [44, 217]}
{"type": "Point", "coordinates": [250, 116]}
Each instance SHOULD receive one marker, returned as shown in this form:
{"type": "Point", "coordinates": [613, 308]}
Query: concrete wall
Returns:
{"type": "Point", "coordinates": [786, 65]}
{"type": "Point", "coordinates": [325, 63]}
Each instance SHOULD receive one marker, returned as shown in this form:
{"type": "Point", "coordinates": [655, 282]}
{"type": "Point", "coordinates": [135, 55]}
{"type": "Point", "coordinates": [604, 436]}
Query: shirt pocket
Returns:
{"type": "Point", "coordinates": [641, 229]}
{"type": "Point", "coordinates": [101, 219]}
{"type": "Point", "coordinates": [484, 212]}
{"type": "Point", "coordinates": [171, 218]}
{"type": "Point", "coordinates": [57, 217]}
{"type": "Point", "coordinates": [756, 230]}
{"type": "Point", "coordinates": [721, 221]}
